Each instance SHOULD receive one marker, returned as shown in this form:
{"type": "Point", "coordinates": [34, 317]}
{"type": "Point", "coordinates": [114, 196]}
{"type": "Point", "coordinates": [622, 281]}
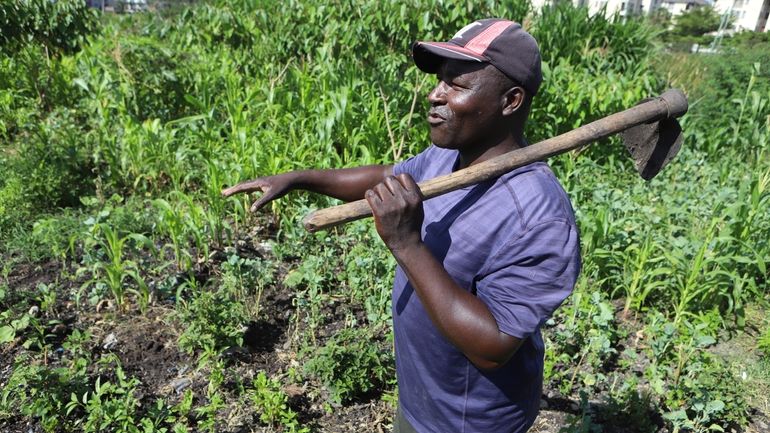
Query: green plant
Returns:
{"type": "Point", "coordinates": [708, 397]}
{"type": "Point", "coordinates": [350, 365]}
{"type": "Point", "coordinates": [584, 336]}
{"type": "Point", "coordinates": [367, 273]}
{"type": "Point", "coordinates": [185, 221]}
{"type": "Point", "coordinates": [114, 272]}
{"type": "Point", "coordinates": [272, 404]}
{"type": "Point", "coordinates": [312, 278]}
{"type": "Point", "coordinates": [638, 273]}
{"type": "Point", "coordinates": [696, 22]}
{"type": "Point", "coordinates": [696, 389]}
{"type": "Point", "coordinates": [43, 393]}
{"type": "Point", "coordinates": [32, 330]}
{"type": "Point", "coordinates": [763, 343]}
{"type": "Point", "coordinates": [214, 320]}
{"type": "Point", "coordinates": [207, 413]}
{"type": "Point", "coordinates": [246, 279]}
{"type": "Point", "coordinates": [62, 25]}
{"type": "Point", "coordinates": [53, 172]}
{"type": "Point", "coordinates": [172, 225]}
{"type": "Point", "coordinates": [700, 280]}
{"type": "Point", "coordinates": [629, 407]}
{"type": "Point", "coordinates": [8, 332]}
{"type": "Point", "coordinates": [111, 405]}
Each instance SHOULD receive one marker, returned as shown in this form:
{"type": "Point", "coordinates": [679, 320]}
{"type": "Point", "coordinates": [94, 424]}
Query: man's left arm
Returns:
{"type": "Point", "coordinates": [459, 315]}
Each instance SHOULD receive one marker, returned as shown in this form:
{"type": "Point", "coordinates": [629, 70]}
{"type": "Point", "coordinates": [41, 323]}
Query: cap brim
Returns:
{"type": "Point", "coordinates": [429, 55]}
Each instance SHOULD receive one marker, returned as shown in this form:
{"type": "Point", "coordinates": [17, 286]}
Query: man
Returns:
{"type": "Point", "coordinates": [479, 269]}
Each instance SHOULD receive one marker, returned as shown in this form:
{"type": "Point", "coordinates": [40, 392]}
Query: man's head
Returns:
{"type": "Point", "coordinates": [488, 73]}
{"type": "Point", "coordinates": [501, 43]}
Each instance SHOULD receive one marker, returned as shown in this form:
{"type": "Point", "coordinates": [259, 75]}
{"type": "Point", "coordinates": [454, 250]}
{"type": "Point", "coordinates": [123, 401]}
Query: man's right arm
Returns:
{"type": "Point", "coordinates": [346, 184]}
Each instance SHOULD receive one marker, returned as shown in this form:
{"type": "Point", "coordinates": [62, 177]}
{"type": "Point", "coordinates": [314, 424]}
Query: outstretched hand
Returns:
{"type": "Point", "coordinates": [397, 209]}
{"type": "Point", "coordinates": [272, 187]}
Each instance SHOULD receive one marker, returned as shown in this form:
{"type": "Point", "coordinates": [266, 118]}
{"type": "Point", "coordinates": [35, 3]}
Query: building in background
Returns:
{"type": "Point", "coordinates": [749, 15]}
{"type": "Point", "coordinates": [624, 8]}
{"type": "Point", "coordinates": [119, 5]}
{"type": "Point", "coordinates": [678, 7]}
{"type": "Point", "coordinates": [746, 14]}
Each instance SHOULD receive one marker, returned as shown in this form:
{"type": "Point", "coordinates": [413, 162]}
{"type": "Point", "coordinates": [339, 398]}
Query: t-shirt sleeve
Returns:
{"type": "Point", "coordinates": [531, 276]}
{"type": "Point", "coordinates": [414, 166]}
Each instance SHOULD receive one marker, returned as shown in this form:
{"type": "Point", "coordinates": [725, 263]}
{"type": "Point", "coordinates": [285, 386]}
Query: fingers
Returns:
{"type": "Point", "coordinates": [393, 186]}
{"type": "Point", "coordinates": [400, 191]}
{"type": "Point", "coordinates": [397, 209]}
{"type": "Point", "coordinates": [251, 186]}
{"type": "Point", "coordinates": [398, 186]}
{"type": "Point", "coordinates": [409, 184]}
{"type": "Point", "coordinates": [261, 202]}
{"type": "Point", "coordinates": [373, 198]}
{"type": "Point", "coordinates": [248, 186]}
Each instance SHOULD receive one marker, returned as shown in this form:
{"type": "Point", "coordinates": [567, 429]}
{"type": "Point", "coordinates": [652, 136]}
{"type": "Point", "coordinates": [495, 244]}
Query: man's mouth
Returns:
{"type": "Point", "coordinates": [435, 119]}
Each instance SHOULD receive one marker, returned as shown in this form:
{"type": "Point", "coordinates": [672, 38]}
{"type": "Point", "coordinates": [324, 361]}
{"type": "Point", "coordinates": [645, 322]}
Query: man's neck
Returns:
{"type": "Point", "coordinates": [477, 155]}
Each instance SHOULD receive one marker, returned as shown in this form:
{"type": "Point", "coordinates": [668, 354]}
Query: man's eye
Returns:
{"type": "Point", "coordinates": [452, 83]}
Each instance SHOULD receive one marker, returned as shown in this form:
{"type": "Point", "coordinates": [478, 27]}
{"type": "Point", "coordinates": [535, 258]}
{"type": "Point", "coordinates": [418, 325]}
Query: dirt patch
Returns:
{"type": "Point", "coordinates": [29, 275]}
{"type": "Point", "coordinates": [549, 421]}
{"type": "Point", "coordinates": [147, 348]}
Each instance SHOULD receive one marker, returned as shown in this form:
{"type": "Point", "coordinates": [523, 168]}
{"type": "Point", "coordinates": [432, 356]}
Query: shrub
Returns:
{"type": "Point", "coordinates": [352, 364]}
{"type": "Point", "coordinates": [49, 170]}
{"type": "Point", "coordinates": [57, 25]}
{"type": "Point", "coordinates": [273, 404]}
{"type": "Point", "coordinates": [214, 321]}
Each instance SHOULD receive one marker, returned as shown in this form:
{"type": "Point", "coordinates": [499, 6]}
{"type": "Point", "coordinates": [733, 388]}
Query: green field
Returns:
{"type": "Point", "coordinates": [134, 298]}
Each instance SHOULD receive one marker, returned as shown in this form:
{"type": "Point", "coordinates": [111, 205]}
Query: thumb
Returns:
{"type": "Point", "coordinates": [262, 201]}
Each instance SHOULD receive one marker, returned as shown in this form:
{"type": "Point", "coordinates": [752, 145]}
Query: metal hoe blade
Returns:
{"type": "Point", "coordinates": [653, 145]}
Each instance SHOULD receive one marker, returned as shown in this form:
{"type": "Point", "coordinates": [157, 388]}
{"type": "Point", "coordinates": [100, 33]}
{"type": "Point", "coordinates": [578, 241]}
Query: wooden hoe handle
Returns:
{"type": "Point", "coordinates": [670, 104]}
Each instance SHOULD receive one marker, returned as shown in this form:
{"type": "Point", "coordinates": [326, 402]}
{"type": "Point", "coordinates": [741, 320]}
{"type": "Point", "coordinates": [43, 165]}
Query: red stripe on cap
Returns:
{"type": "Point", "coordinates": [455, 49]}
{"type": "Point", "coordinates": [481, 42]}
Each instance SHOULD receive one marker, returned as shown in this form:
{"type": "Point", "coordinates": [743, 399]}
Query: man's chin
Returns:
{"type": "Point", "coordinates": [444, 145]}
{"type": "Point", "coordinates": [440, 141]}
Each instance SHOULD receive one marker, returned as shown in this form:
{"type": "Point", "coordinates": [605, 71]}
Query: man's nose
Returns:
{"type": "Point", "coordinates": [436, 96]}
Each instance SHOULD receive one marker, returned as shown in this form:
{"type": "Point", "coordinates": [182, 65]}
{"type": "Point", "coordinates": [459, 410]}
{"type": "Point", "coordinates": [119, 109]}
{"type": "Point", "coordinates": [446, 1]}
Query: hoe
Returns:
{"type": "Point", "coordinates": [650, 132]}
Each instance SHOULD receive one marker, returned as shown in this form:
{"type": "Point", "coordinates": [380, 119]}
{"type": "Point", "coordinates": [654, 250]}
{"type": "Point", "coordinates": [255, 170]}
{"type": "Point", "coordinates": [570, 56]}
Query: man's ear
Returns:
{"type": "Point", "coordinates": [513, 100]}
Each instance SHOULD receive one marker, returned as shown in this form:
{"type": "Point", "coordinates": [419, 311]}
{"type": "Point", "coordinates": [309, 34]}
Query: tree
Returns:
{"type": "Point", "coordinates": [696, 22]}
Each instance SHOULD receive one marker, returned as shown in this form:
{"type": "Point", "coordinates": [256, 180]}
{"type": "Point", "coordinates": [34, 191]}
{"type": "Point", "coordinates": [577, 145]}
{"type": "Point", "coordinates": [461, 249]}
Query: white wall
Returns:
{"type": "Point", "coordinates": [623, 7]}
{"type": "Point", "coordinates": [747, 14]}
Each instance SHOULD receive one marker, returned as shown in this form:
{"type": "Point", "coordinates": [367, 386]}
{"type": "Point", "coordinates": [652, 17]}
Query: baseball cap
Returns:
{"type": "Point", "coordinates": [501, 43]}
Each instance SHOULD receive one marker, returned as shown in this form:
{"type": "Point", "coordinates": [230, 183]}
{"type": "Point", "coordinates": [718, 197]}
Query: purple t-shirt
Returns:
{"type": "Point", "coordinates": [512, 242]}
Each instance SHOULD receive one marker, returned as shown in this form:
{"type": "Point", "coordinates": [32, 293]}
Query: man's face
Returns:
{"type": "Point", "coordinates": [465, 106]}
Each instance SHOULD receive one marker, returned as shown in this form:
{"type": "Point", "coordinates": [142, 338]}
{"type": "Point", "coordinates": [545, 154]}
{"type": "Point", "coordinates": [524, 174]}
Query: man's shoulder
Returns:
{"type": "Point", "coordinates": [538, 195]}
{"type": "Point", "coordinates": [431, 162]}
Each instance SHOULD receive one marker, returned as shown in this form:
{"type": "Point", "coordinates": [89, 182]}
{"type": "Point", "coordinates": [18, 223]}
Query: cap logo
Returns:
{"type": "Point", "coordinates": [459, 35]}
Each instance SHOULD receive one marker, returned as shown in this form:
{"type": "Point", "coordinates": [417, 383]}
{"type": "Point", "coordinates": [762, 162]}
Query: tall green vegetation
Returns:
{"type": "Point", "coordinates": [114, 150]}
{"type": "Point", "coordinates": [35, 78]}
{"type": "Point", "coordinates": [60, 26]}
